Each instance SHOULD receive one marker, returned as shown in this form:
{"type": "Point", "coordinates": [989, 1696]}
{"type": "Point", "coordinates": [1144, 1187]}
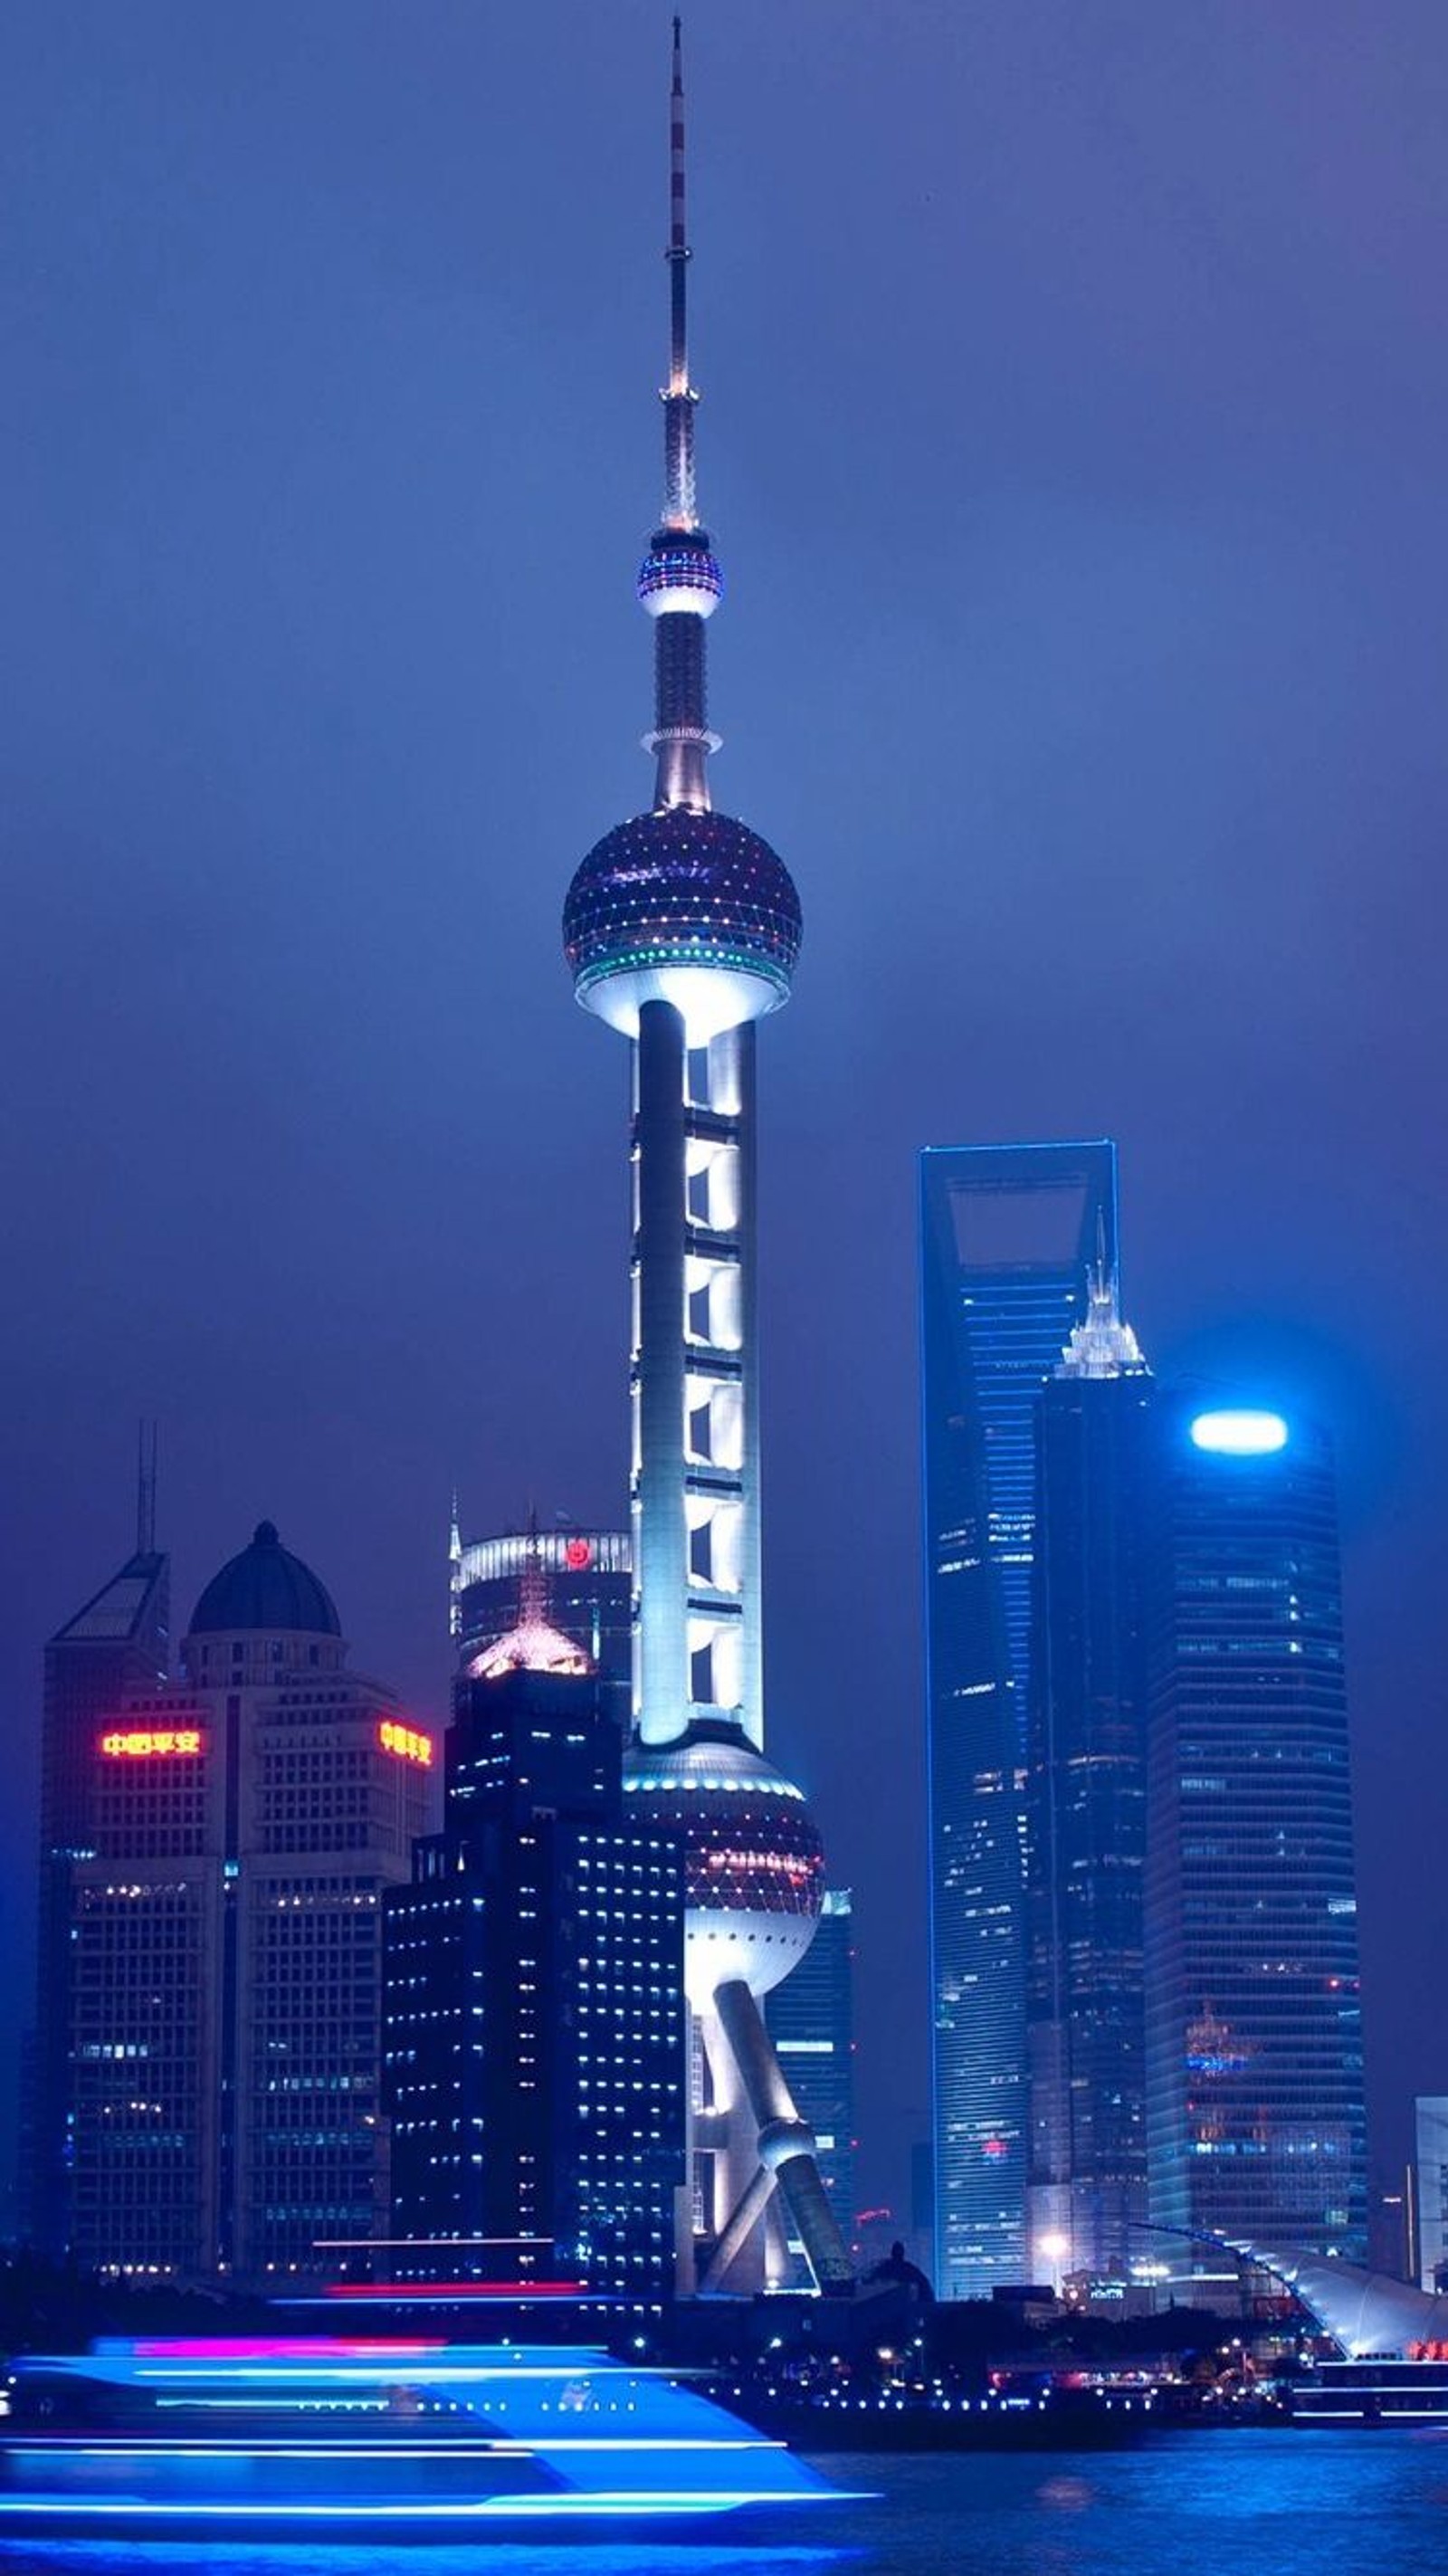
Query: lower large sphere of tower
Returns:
{"type": "Point", "coordinates": [682, 907]}
{"type": "Point", "coordinates": [753, 1860]}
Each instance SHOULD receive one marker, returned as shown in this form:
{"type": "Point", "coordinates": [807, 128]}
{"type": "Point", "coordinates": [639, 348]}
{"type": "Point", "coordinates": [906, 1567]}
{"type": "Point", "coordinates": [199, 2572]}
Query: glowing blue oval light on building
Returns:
{"type": "Point", "coordinates": [1240, 1435]}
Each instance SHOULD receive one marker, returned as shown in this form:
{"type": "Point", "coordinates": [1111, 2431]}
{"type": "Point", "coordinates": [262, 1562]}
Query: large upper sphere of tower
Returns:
{"type": "Point", "coordinates": [683, 907]}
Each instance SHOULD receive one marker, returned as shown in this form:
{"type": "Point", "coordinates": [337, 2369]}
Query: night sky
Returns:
{"type": "Point", "coordinates": [1075, 395]}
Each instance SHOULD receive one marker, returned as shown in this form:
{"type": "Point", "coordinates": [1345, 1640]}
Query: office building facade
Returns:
{"type": "Point", "coordinates": [1255, 2114]}
{"type": "Point", "coordinates": [1007, 1238]}
{"type": "Point", "coordinates": [1086, 1806]}
{"type": "Point", "coordinates": [225, 2017]}
{"type": "Point", "coordinates": [534, 2020]}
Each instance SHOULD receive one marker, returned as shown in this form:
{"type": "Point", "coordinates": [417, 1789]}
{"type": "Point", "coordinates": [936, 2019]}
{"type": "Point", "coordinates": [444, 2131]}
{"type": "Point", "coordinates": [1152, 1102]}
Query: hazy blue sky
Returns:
{"type": "Point", "coordinates": [1074, 430]}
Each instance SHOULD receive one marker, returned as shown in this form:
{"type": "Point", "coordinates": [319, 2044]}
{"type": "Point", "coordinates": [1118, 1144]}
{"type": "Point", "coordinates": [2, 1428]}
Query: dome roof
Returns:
{"type": "Point", "coordinates": [265, 1587]}
{"type": "Point", "coordinates": [676, 888]}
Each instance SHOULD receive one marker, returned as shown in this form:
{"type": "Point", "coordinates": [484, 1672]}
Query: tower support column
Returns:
{"type": "Point", "coordinates": [661, 1557]}
{"type": "Point", "coordinates": [740, 1045]}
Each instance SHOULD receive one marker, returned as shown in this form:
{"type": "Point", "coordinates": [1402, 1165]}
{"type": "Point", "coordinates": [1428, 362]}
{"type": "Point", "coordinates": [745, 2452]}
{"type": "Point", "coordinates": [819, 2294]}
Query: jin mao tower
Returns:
{"type": "Point", "coordinates": [681, 929]}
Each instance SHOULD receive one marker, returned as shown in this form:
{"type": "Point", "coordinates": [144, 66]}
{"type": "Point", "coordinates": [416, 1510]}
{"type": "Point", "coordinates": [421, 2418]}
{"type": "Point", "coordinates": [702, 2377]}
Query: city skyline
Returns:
{"type": "Point", "coordinates": [1187, 640]}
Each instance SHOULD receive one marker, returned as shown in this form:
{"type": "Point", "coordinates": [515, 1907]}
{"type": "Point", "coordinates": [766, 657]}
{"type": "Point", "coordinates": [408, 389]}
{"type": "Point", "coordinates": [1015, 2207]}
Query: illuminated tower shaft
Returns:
{"type": "Point", "coordinates": [682, 928]}
{"type": "Point", "coordinates": [695, 1489]}
{"type": "Point", "coordinates": [695, 1482]}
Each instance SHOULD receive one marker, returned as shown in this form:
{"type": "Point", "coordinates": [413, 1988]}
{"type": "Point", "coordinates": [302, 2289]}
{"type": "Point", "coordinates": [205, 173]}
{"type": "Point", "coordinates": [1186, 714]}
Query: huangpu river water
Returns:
{"type": "Point", "coordinates": [1237, 2503]}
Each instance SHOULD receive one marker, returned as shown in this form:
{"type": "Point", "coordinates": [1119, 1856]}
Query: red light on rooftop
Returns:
{"type": "Point", "coordinates": [143, 1743]}
{"type": "Point", "coordinates": [577, 1554]}
{"type": "Point", "coordinates": [405, 1743]}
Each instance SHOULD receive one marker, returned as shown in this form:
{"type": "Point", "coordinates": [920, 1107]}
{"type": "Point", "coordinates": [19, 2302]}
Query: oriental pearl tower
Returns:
{"type": "Point", "coordinates": [681, 929]}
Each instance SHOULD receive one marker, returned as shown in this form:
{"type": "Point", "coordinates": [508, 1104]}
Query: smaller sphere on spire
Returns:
{"type": "Point", "coordinates": [679, 576]}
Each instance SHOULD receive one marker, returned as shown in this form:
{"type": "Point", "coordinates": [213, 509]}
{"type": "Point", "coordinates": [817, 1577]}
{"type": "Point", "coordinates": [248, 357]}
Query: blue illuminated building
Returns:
{"type": "Point", "coordinates": [1008, 1234]}
{"type": "Point", "coordinates": [533, 2004]}
{"type": "Point", "coordinates": [1254, 2039]}
{"type": "Point", "coordinates": [1086, 1804]}
{"type": "Point", "coordinates": [811, 2019]}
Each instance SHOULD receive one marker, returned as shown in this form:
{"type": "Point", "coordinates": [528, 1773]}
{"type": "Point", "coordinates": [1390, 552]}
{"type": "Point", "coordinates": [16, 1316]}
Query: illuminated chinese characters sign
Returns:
{"type": "Point", "coordinates": [407, 1742]}
{"type": "Point", "coordinates": [143, 1742]}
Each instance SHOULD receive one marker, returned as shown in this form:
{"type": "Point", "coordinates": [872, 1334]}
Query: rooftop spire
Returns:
{"type": "Point", "coordinates": [679, 395]}
{"type": "Point", "coordinates": [679, 583]}
{"type": "Point", "coordinates": [1102, 1346]}
{"type": "Point", "coordinates": [454, 1569]}
{"type": "Point", "coordinates": [147, 1436]}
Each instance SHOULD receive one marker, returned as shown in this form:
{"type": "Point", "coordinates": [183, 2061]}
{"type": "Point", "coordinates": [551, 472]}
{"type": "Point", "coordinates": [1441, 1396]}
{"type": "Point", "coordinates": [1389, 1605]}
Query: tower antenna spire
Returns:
{"type": "Point", "coordinates": [679, 582]}
{"type": "Point", "coordinates": [679, 395]}
{"type": "Point", "coordinates": [147, 1438]}
{"type": "Point", "coordinates": [678, 251]}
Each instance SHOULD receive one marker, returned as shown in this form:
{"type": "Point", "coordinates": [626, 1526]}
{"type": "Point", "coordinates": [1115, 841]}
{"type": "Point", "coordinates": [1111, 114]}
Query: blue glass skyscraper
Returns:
{"type": "Point", "coordinates": [1255, 2124]}
{"type": "Point", "coordinates": [1008, 1236]}
{"type": "Point", "coordinates": [1086, 1804]}
{"type": "Point", "coordinates": [811, 2020]}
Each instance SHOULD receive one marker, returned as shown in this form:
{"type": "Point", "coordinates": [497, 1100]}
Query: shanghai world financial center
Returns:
{"type": "Point", "coordinates": [1008, 1236]}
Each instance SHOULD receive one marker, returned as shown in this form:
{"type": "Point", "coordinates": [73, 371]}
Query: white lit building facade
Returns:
{"type": "Point", "coordinates": [225, 2012]}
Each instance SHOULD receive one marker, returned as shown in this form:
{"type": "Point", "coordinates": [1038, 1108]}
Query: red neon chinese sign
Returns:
{"type": "Point", "coordinates": [407, 1743]}
{"type": "Point", "coordinates": [143, 1742]}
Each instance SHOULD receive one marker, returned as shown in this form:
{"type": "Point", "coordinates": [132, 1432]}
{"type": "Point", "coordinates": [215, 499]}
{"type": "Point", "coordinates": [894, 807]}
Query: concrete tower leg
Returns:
{"type": "Point", "coordinates": [785, 2148]}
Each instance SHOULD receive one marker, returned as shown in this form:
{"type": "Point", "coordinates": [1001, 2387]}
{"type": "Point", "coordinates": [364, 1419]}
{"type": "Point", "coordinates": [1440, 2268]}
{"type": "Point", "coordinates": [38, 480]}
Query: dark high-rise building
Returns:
{"type": "Point", "coordinates": [1007, 1237]}
{"type": "Point", "coordinates": [115, 1644]}
{"type": "Point", "coordinates": [811, 2019]}
{"type": "Point", "coordinates": [534, 2043]}
{"type": "Point", "coordinates": [579, 1581]}
{"type": "Point", "coordinates": [1086, 1805]}
{"type": "Point", "coordinates": [1254, 2040]}
{"type": "Point", "coordinates": [224, 2028]}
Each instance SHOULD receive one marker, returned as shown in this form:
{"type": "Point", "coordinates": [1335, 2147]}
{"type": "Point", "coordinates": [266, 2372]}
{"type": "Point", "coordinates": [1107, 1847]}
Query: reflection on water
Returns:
{"type": "Point", "coordinates": [1275, 2503]}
